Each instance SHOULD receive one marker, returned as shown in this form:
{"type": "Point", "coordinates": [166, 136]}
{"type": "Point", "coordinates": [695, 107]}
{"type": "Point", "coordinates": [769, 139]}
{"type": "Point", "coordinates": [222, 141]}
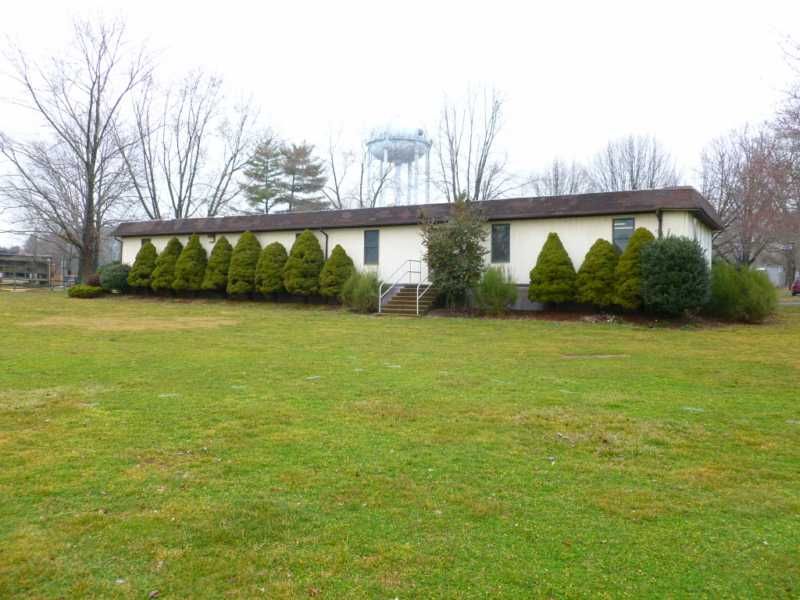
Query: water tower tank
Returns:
{"type": "Point", "coordinates": [394, 148]}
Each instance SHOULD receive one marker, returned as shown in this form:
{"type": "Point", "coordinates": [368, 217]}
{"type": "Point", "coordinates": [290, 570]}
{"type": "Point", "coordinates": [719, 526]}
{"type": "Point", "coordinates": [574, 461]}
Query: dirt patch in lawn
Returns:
{"type": "Point", "coordinates": [139, 324]}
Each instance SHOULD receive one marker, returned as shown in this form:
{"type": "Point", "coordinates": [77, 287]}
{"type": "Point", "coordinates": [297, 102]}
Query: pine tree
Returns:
{"type": "Point", "coordinates": [216, 276]}
{"type": "Point", "coordinates": [242, 272]}
{"type": "Point", "coordinates": [269, 270]}
{"type": "Point", "coordinates": [628, 274]}
{"type": "Point", "coordinates": [301, 274]}
{"type": "Point", "coordinates": [338, 269]}
{"type": "Point", "coordinates": [142, 270]}
{"type": "Point", "coordinates": [595, 281]}
{"type": "Point", "coordinates": [553, 277]}
{"type": "Point", "coordinates": [263, 173]}
{"type": "Point", "coordinates": [302, 178]}
{"type": "Point", "coordinates": [164, 273]}
{"type": "Point", "coordinates": [191, 267]}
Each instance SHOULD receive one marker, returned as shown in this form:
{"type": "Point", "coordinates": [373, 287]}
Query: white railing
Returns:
{"type": "Point", "coordinates": [408, 272]}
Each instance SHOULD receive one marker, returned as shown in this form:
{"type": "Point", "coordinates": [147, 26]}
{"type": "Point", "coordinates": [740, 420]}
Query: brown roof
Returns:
{"type": "Point", "coordinates": [578, 205]}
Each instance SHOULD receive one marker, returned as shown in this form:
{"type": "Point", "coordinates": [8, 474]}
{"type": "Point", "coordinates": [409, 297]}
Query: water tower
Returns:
{"type": "Point", "coordinates": [400, 150]}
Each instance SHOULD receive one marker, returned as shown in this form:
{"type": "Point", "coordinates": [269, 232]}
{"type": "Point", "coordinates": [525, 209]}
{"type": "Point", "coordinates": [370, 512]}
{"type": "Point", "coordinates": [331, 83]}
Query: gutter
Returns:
{"type": "Point", "coordinates": [660, 217]}
{"type": "Point", "coordinates": [325, 233]}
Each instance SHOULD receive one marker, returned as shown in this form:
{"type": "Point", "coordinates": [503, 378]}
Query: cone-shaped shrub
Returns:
{"type": "Point", "coordinates": [142, 270]}
{"type": "Point", "coordinates": [164, 273]}
{"type": "Point", "coordinates": [191, 267]}
{"type": "Point", "coordinates": [553, 277]}
{"type": "Point", "coordinates": [242, 272]}
{"type": "Point", "coordinates": [675, 277]}
{"type": "Point", "coordinates": [338, 269]}
{"type": "Point", "coordinates": [301, 273]}
{"type": "Point", "coordinates": [216, 276]}
{"type": "Point", "coordinates": [628, 275]}
{"type": "Point", "coordinates": [269, 270]}
{"type": "Point", "coordinates": [595, 281]}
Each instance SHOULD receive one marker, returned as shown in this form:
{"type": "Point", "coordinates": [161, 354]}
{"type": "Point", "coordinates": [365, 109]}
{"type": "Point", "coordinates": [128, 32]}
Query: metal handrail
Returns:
{"type": "Point", "coordinates": [404, 269]}
{"type": "Point", "coordinates": [420, 295]}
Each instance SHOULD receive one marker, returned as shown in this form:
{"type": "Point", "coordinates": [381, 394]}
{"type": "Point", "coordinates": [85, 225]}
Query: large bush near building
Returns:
{"type": "Point", "coordinates": [627, 277]}
{"type": "Point", "coordinates": [496, 291]}
{"type": "Point", "coordinates": [337, 269]}
{"type": "Point", "coordinates": [191, 267]}
{"type": "Point", "coordinates": [553, 277]}
{"type": "Point", "coordinates": [360, 291]}
{"type": "Point", "coordinates": [675, 278]}
{"type": "Point", "coordinates": [215, 278]}
{"type": "Point", "coordinates": [269, 271]}
{"type": "Point", "coordinates": [142, 269]}
{"type": "Point", "coordinates": [114, 276]}
{"type": "Point", "coordinates": [454, 251]}
{"type": "Point", "coordinates": [164, 272]}
{"type": "Point", "coordinates": [301, 273]}
{"type": "Point", "coordinates": [594, 283]}
{"type": "Point", "coordinates": [242, 271]}
{"type": "Point", "coordinates": [739, 293]}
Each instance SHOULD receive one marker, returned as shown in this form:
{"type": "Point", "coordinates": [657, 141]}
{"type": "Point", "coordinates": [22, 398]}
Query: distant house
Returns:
{"type": "Point", "coordinates": [24, 270]}
{"type": "Point", "coordinates": [388, 239]}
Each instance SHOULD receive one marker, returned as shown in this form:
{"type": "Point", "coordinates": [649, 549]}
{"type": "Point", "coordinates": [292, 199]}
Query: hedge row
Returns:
{"type": "Point", "coordinates": [243, 270]}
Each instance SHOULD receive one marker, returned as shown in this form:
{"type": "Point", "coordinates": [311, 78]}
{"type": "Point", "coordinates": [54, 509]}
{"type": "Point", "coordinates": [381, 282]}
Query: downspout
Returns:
{"type": "Point", "coordinates": [325, 233]}
{"type": "Point", "coordinates": [660, 217]}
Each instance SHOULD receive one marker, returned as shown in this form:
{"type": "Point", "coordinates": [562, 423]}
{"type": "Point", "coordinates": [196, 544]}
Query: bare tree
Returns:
{"type": "Point", "coordinates": [338, 167]}
{"type": "Point", "coordinates": [633, 163]}
{"type": "Point", "coordinates": [469, 164]}
{"type": "Point", "coordinates": [747, 177]}
{"type": "Point", "coordinates": [69, 184]}
{"type": "Point", "coordinates": [370, 190]}
{"type": "Point", "coordinates": [560, 179]}
{"type": "Point", "coordinates": [189, 148]}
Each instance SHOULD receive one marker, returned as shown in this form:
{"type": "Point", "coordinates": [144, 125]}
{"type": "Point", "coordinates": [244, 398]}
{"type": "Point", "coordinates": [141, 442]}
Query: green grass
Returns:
{"type": "Point", "coordinates": [220, 449]}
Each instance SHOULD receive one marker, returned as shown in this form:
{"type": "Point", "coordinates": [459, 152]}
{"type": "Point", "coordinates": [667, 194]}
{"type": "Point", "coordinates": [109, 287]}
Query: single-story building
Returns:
{"type": "Point", "coordinates": [388, 239]}
{"type": "Point", "coordinates": [25, 270]}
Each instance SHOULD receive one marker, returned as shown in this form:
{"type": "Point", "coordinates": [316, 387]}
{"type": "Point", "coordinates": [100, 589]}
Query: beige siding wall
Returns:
{"type": "Point", "coordinates": [398, 244]}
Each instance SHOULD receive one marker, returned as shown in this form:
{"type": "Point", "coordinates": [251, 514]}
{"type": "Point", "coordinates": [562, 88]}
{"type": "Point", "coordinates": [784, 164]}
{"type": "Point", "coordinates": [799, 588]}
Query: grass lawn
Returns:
{"type": "Point", "coordinates": [215, 449]}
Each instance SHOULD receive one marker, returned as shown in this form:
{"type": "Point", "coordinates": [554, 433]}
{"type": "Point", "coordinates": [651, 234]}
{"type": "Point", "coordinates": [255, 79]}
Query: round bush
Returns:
{"type": "Point", "coordinates": [142, 270]}
{"type": "Point", "coordinates": [627, 277]}
{"type": "Point", "coordinates": [301, 273]}
{"type": "Point", "coordinates": [190, 267]}
{"type": "Point", "coordinates": [674, 276]}
{"type": "Point", "coordinates": [595, 281]}
{"type": "Point", "coordinates": [85, 291]}
{"type": "Point", "coordinates": [164, 273]}
{"type": "Point", "coordinates": [496, 291]}
{"type": "Point", "coordinates": [269, 270]}
{"type": "Point", "coordinates": [114, 276]}
{"type": "Point", "coordinates": [740, 294]}
{"type": "Point", "coordinates": [216, 275]}
{"type": "Point", "coordinates": [242, 271]}
{"type": "Point", "coordinates": [360, 291]}
{"type": "Point", "coordinates": [338, 269]}
{"type": "Point", "coordinates": [553, 277]}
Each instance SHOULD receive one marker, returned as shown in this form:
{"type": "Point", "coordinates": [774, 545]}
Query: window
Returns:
{"type": "Point", "coordinates": [371, 243]}
{"type": "Point", "coordinates": [501, 243]}
{"type": "Point", "coordinates": [623, 230]}
{"type": "Point", "coordinates": [145, 241]}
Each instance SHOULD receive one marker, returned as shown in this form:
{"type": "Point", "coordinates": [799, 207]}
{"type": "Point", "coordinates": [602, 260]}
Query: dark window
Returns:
{"type": "Point", "coordinates": [623, 230]}
{"type": "Point", "coordinates": [501, 243]}
{"type": "Point", "coordinates": [371, 242]}
{"type": "Point", "coordinates": [145, 240]}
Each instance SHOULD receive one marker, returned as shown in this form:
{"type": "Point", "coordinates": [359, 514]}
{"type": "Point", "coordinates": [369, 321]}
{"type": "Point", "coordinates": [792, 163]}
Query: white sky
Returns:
{"type": "Point", "coordinates": [574, 74]}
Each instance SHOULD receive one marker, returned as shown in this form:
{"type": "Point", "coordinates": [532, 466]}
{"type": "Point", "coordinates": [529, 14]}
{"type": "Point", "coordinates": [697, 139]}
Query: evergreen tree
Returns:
{"type": "Point", "coordinates": [301, 273]}
{"type": "Point", "coordinates": [553, 277]}
{"type": "Point", "coordinates": [302, 178]}
{"type": "Point", "coordinates": [142, 270]}
{"type": "Point", "coordinates": [675, 276]}
{"type": "Point", "coordinates": [164, 273]}
{"type": "Point", "coordinates": [263, 173]}
{"type": "Point", "coordinates": [191, 267]}
{"type": "Point", "coordinates": [216, 275]}
{"type": "Point", "coordinates": [242, 271]}
{"type": "Point", "coordinates": [269, 270]}
{"type": "Point", "coordinates": [595, 281]}
{"type": "Point", "coordinates": [627, 277]}
{"type": "Point", "coordinates": [338, 269]}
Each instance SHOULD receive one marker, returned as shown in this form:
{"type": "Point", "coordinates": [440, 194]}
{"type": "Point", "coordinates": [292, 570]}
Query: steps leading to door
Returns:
{"type": "Point", "coordinates": [404, 301]}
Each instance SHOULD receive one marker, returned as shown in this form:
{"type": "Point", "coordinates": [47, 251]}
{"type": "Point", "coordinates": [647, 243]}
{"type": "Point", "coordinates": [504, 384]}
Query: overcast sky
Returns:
{"type": "Point", "coordinates": [573, 74]}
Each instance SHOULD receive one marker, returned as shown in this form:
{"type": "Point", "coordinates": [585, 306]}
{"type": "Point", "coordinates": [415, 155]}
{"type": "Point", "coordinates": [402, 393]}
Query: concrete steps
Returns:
{"type": "Point", "coordinates": [404, 302]}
